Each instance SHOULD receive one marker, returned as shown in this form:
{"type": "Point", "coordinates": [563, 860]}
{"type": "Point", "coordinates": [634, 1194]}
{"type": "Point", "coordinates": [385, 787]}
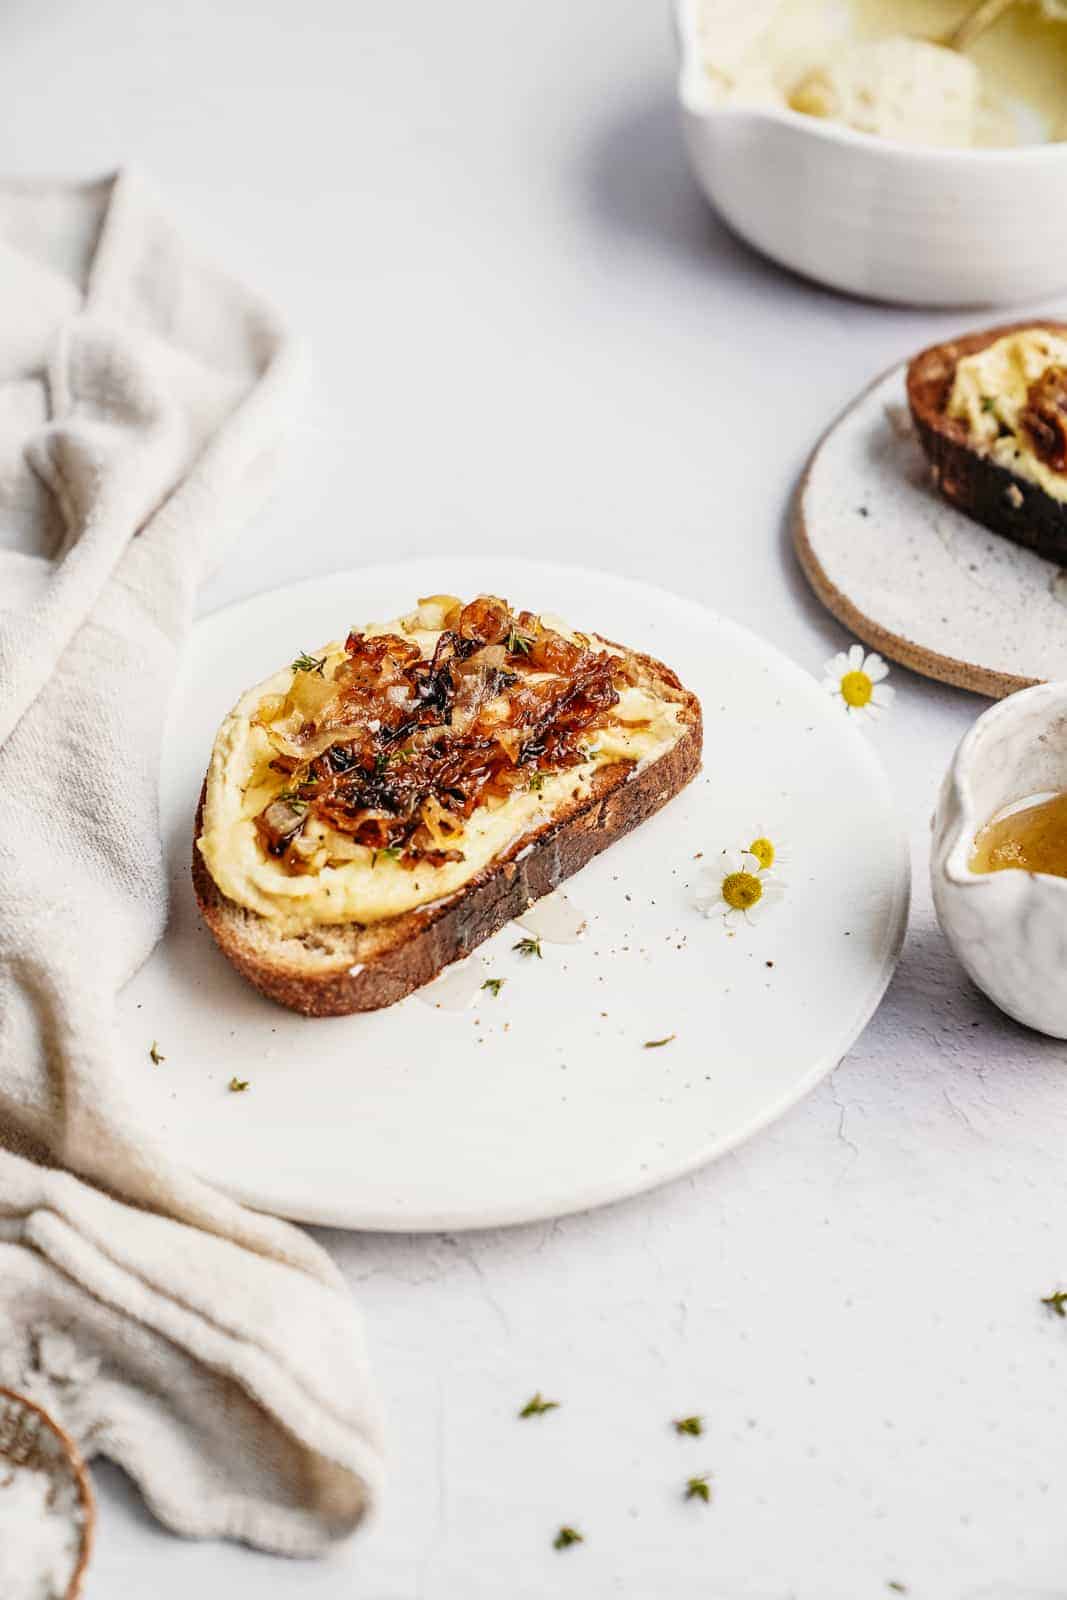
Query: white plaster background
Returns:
{"type": "Point", "coordinates": [530, 332]}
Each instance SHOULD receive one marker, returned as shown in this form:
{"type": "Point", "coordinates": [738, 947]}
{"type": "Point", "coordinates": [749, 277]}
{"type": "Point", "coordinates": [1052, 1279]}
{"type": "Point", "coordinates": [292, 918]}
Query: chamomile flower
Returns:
{"type": "Point", "coordinates": [769, 849]}
{"type": "Point", "coordinates": [858, 681]}
{"type": "Point", "coordinates": [743, 890]}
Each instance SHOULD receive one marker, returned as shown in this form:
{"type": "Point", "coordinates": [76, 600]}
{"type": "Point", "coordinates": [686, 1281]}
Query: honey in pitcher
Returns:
{"type": "Point", "coordinates": [1032, 839]}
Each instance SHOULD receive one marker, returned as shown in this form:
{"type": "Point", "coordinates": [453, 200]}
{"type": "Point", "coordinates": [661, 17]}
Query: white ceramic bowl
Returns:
{"type": "Point", "coordinates": [1009, 929]}
{"type": "Point", "coordinates": [899, 222]}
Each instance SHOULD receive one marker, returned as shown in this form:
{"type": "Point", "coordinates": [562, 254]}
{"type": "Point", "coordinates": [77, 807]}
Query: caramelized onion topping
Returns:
{"type": "Point", "coordinates": [1045, 417]}
{"type": "Point", "coordinates": [406, 748]}
{"type": "Point", "coordinates": [279, 823]}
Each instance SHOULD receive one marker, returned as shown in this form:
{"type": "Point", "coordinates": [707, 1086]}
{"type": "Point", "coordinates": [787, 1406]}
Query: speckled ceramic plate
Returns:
{"type": "Point", "coordinates": [916, 579]}
{"type": "Point", "coordinates": [542, 1100]}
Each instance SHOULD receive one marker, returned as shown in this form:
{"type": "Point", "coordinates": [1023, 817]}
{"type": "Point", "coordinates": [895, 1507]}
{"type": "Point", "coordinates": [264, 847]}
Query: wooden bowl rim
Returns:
{"type": "Point", "coordinates": [81, 1477]}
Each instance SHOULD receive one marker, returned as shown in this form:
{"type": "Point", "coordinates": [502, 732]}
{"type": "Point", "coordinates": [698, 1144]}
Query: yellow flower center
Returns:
{"type": "Point", "coordinates": [763, 850]}
{"type": "Point", "coordinates": [856, 688]}
{"type": "Point", "coordinates": [741, 890]}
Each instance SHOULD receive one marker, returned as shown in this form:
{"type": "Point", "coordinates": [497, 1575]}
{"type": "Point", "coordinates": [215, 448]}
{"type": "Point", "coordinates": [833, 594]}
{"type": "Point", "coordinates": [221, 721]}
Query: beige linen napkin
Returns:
{"type": "Point", "coordinates": [212, 1351]}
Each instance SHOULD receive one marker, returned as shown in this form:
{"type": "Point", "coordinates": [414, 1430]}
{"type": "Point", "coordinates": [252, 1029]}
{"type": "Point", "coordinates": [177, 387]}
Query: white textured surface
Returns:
{"type": "Point", "coordinates": [529, 330]}
{"type": "Point", "coordinates": [918, 568]}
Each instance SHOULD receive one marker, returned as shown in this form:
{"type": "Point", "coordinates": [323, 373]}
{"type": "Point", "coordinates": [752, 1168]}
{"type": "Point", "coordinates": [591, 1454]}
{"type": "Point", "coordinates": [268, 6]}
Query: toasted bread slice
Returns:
{"type": "Point", "coordinates": [333, 969]}
{"type": "Point", "coordinates": [963, 469]}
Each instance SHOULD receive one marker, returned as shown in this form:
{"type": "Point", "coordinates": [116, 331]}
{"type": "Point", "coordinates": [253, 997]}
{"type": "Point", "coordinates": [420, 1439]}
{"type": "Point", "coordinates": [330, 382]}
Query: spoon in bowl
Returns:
{"type": "Point", "coordinates": [976, 22]}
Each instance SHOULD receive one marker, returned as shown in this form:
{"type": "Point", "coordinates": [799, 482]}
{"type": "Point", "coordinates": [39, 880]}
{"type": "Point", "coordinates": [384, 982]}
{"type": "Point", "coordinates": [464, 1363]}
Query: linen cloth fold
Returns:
{"type": "Point", "coordinates": [212, 1351]}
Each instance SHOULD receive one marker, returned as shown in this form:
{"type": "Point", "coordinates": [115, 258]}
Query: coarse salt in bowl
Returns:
{"type": "Point", "coordinates": [46, 1505]}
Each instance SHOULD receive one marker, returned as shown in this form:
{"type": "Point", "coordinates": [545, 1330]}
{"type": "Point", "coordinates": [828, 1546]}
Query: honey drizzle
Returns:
{"type": "Point", "coordinates": [1030, 837]}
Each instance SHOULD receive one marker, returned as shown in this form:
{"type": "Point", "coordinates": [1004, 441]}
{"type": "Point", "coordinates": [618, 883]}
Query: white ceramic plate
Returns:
{"type": "Point", "coordinates": [911, 575]}
{"type": "Point", "coordinates": [542, 1100]}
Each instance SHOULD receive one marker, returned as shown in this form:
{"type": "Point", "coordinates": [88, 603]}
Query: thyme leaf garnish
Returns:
{"type": "Point", "coordinates": [494, 985]}
{"type": "Point", "coordinates": [158, 1056]}
{"type": "Point", "coordinates": [390, 851]}
{"type": "Point", "coordinates": [537, 782]}
{"type": "Point", "coordinates": [538, 1406]}
{"type": "Point", "coordinates": [657, 1044]}
{"type": "Point", "coordinates": [238, 1085]}
{"type": "Point", "coordinates": [518, 644]}
{"type": "Point", "coordinates": [306, 663]}
{"type": "Point", "coordinates": [529, 947]}
{"type": "Point", "coordinates": [1056, 1302]}
{"type": "Point", "coordinates": [567, 1536]}
{"type": "Point", "coordinates": [691, 1425]}
{"type": "Point", "coordinates": [699, 1489]}
{"type": "Point", "coordinates": [989, 402]}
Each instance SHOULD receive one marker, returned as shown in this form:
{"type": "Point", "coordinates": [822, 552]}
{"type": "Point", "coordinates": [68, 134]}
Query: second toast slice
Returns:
{"type": "Point", "coordinates": [990, 410]}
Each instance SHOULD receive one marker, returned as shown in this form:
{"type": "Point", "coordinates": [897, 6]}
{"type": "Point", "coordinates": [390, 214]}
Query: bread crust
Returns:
{"type": "Point", "coordinates": [1013, 506]}
{"type": "Point", "coordinates": [366, 968]}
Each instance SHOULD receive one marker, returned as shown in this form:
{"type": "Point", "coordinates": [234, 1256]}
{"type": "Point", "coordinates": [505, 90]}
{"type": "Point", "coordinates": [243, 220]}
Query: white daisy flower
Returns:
{"type": "Point", "coordinates": [769, 849]}
{"type": "Point", "coordinates": [743, 890]}
{"type": "Point", "coordinates": [858, 681]}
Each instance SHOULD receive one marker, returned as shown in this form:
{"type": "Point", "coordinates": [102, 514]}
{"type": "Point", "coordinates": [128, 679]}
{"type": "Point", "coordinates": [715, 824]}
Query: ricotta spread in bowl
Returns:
{"type": "Point", "coordinates": [878, 69]}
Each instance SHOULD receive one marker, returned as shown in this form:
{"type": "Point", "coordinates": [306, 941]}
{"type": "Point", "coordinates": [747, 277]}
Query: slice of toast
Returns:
{"type": "Point", "coordinates": [963, 470]}
{"type": "Point", "coordinates": [334, 969]}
